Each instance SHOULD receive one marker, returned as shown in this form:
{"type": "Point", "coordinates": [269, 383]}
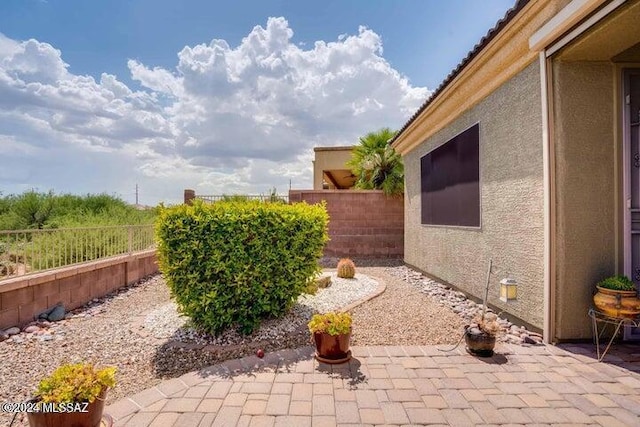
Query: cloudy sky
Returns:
{"type": "Point", "coordinates": [221, 97]}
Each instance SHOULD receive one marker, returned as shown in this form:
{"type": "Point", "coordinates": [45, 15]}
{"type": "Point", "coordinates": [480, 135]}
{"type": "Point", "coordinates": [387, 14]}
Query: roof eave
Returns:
{"type": "Point", "coordinates": [478, 48]}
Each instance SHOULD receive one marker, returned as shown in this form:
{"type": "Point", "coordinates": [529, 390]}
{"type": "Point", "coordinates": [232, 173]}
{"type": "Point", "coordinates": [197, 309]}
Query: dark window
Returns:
{"type": "Point", "coordinates": [450, 177]}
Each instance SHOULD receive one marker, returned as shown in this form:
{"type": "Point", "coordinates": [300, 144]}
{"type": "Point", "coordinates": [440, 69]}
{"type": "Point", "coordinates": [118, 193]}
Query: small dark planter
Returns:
{"type": "Point", "coordinates": [332, 348]}
{"type": "Point", "coordinates": [92, 418]}
{"type": "Point", "coordinates": [479, 343]}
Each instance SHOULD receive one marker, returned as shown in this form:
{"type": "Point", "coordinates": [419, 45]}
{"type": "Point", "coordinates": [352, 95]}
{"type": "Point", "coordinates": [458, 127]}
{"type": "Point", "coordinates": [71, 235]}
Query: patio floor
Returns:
{"type": "Point", "coordinates": [400, 385]}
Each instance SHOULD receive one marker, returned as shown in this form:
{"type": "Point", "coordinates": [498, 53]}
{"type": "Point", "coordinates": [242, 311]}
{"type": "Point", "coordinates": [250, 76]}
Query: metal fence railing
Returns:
{"type": "Point", "coordinates": [260, 197]}
{"type": "Point", "coordinates": [29, 251]}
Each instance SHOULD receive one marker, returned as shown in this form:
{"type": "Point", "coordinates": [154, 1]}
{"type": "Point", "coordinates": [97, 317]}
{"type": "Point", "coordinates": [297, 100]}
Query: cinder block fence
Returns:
{"type": "Point", "coordinates": [362, 223]}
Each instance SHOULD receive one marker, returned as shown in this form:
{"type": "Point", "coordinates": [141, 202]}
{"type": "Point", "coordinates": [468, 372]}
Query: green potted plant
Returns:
{"type": "Point", "coordinates": [331, 333]}
{"type": "Point", "coordinates": [480, 336]}
{"type": "Point", "coordinates": [617, 296]}
{"type": "Point", "coordinates": [72, 396]}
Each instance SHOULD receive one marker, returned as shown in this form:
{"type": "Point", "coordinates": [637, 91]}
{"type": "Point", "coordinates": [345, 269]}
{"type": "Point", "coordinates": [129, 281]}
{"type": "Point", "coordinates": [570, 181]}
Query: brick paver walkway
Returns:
{"type": "Point", "coordinates": [399, 386]}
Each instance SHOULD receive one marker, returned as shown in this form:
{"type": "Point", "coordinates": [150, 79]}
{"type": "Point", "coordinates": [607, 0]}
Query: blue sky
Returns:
{"type": "Point", "coordinates": [110, 93]}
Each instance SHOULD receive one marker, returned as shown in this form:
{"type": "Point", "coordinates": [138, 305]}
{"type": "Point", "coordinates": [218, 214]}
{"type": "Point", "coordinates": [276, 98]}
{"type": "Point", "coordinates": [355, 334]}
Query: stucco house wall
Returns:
{"type": "Point", "coordinates": [586, 189]}
{"type": "Point", "coordinates": [511, 187]}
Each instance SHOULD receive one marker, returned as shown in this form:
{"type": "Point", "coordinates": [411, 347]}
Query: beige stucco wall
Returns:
{"type": "Point", "coordinates": [511, 202]}
{"type": "Point", "coordinates": [329, 158]}
{"type": "Point", "coordinates": [585, 189]}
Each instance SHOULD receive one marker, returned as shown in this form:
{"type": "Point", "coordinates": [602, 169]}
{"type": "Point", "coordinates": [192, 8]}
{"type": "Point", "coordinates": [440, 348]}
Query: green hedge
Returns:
{"type": "Point", "coordinates": [235, 263]}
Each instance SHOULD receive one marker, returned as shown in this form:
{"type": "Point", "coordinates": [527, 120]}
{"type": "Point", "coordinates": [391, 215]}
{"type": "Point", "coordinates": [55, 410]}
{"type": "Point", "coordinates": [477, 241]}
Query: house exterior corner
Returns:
{"type": "Point", "coordinates": [551, 100]}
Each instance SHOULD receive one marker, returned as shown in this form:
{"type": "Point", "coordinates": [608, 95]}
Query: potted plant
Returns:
{"type": "Point", "coordinates": [72, 396]}
{"type": "Point", "coordinates": [617, 296]}
{"type": "Point", "coordinates": [331, 333]}
{"type": "Point", "coordinates": [480, 336]}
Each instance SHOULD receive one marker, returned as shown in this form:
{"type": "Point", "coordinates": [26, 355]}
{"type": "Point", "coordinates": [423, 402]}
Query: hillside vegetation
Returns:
{"type": "Point", "coordinates": [35, 210]}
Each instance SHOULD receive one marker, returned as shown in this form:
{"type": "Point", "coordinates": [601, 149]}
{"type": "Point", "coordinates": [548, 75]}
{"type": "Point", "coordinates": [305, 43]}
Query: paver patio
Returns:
{"type": "Point", "coordinates": [400, 386]}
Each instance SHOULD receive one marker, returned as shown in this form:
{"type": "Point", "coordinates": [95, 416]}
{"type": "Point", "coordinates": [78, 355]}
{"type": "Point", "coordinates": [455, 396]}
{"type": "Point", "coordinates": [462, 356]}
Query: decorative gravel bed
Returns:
{"type": "Point", "coordinates": [99, 332]}
{"type": "Point", "coordinates": [165, 322]}
{"type": "Point", "coordinates": [185, 348]}
{"type": "Point", "coordinates": [139, 330]}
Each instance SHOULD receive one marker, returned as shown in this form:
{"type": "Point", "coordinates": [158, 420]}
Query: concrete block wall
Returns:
{"type": "Point", "coordinates": [22, 298]}
{"type": "Point", "coordinates": [362, 223]}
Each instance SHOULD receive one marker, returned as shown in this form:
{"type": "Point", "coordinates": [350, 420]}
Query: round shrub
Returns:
{"type": "Point", "coordinates": [235, 263]}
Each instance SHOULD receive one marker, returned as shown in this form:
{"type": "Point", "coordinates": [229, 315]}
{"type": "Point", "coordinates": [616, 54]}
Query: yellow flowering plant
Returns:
{"type": "Point", "coordinates": [72, 383]}
{"type": "Point", "coordinates": [331, 323]}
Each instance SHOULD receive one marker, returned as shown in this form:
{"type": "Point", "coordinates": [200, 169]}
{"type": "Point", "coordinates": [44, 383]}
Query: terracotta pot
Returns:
{"type": "Point", "coordinates": [91, 418]}
{"type": "Point", "coordinates": [332, 348]}
{"type": "Point", "coordinates": [479, 343]}
{"type": "Point", "coordinates": [617, 303]}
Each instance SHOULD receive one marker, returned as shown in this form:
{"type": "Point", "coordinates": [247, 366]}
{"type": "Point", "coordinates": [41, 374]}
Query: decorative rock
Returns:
{"type": "Point", "coordinates": [537, 340]}
{"type": "Point", "coordinates": [3, 336]}
{"type": "Point", "coordinates": [323, 281]}
{"type": "Point", "coordinates": [57, 314]}
{"type": "Point", "coordinates": [465, 308]}
{"type": "Point", "coordinates": [53, 314]}
{"type": "Point", "coordinates": [490, 317]}
{"type": "Point", "coordinates": [43, 324]}
{"type": "Point", "coordinates": [31, 329]}
{"type": "Point", "coordinates": [12, 331]}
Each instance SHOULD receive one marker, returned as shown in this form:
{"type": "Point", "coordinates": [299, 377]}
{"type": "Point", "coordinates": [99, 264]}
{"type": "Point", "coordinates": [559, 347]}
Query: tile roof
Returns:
{"type": "Point", "coordinates": [484, 41]}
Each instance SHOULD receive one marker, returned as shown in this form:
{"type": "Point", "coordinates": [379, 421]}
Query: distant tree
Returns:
{"type": "Point", "coordinates": [376, 164]}
{"type": "Point", "coordinates": [33, 209]}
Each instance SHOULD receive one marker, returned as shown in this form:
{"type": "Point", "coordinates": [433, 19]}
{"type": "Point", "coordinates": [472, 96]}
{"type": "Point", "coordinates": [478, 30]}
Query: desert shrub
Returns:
{"type": "Point", "coordinates": [235, 198]}
{"type": "Point", "coordinates": [32, 209]}
{"type": "Point", "coordinates": [48, 211]}
{"type": "Point", "coordinates": [235, 263]}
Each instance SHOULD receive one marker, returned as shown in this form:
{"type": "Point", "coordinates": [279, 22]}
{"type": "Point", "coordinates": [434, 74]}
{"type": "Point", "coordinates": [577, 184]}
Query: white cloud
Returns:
{"type": "Point", "coordinates": [227, 119]}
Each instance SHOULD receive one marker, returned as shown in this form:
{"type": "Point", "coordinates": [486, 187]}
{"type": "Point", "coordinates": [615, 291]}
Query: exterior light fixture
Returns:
{"type": "Point", "coordinates": [508, 289]}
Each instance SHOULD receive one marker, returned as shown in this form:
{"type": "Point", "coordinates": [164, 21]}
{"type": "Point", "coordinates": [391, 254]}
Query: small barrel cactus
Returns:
{"type": "Point", "coordinates": [346, 268]}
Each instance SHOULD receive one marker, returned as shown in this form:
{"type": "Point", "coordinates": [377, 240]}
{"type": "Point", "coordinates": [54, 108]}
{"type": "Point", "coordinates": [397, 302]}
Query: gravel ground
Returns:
{"type": "Point", "coordinates": [165, 322]}
{"type": "Point", "coordinates": [139, 331]}
{"type": "Point", "coordinates": [403, 315]}
{"type": "Point", "coordinates": [101, 333]}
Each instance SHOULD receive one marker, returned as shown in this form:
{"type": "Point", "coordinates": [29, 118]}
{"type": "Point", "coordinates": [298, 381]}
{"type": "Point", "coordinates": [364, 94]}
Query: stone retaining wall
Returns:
{"type": "Point", "coordinates": [22, 298]}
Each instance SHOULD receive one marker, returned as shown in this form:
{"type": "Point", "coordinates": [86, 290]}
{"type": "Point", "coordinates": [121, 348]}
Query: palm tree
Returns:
{"type": "Point", "coordinates": [376, 164]}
